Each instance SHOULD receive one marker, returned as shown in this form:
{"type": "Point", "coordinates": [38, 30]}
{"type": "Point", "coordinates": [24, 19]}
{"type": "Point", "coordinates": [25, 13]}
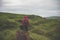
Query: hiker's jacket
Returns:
{"type": "Point", "coordinates": [25, 21]}
{"type": "Point", "coordinates": [25, 24]}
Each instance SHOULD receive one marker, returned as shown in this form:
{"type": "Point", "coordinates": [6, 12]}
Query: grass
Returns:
{"type": "Point", "coordinates": [40, 28]}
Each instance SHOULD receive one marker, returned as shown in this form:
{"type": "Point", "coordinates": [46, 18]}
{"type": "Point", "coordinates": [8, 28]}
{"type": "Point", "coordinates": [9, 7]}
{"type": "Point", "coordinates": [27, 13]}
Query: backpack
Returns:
{"type": "Point", "coordinates": [25, 22]}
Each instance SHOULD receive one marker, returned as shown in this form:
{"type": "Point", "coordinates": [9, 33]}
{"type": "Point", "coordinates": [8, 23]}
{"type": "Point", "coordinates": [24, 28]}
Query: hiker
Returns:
{"type": "Point", "coordinates": [26, 24]}
{"type": "Point", "coordinates": [23, 28]}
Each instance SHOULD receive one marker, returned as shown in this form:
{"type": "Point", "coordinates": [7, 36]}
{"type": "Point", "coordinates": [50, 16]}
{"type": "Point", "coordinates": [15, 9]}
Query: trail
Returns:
{"type": "Point", "coordinates": [22, 36]}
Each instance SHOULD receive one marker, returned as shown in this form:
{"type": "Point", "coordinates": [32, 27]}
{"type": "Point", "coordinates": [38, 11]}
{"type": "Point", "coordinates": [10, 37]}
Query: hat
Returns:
{"type": "Point", "coordinates": [25, 16]}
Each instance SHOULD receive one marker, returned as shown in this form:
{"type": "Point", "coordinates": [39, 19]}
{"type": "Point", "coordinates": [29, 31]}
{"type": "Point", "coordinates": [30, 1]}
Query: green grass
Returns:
{"type": "Point", "coordinates": [38, 37]}
{"type": "Point", "coordinates": [40, 28]}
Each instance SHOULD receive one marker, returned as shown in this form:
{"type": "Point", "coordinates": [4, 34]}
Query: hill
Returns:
{"type": "Point", "coordinates": [53, 17]}
{"type": "Point", "coordinates": [40, 28]}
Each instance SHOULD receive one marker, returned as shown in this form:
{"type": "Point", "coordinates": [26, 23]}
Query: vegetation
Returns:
{"type": "Point", "coordinates": [40, 28]}
{"type": "Point", "coordinates": [53, 17]}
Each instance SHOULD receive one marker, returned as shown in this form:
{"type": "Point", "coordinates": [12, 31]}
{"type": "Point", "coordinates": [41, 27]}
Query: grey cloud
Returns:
{"type": "Point", "coordinates": [0, 3]}
{"type": "Point", "coordinates": [45, 9]}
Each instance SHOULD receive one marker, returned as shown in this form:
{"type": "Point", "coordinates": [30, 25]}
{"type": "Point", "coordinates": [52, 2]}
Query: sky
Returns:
{"type": "Point", "coordinates": [42, 8]}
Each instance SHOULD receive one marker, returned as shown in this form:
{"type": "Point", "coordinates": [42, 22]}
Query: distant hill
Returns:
{"type": "Point", "coordinates": [53, 17]}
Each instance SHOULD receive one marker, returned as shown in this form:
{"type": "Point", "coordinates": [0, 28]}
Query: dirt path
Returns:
{"type": "Point", "coordinates": [22, 36]}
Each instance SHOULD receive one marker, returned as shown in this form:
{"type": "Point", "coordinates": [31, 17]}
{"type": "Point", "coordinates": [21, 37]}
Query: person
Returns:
{"type": "Point", "coordinates": [23, 28]}
{"type": "Point", "coordinates": [26, 24]}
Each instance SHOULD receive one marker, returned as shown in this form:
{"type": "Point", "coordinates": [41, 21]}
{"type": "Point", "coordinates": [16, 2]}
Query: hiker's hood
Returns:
{"type": "Point", "coordinates": [25, 17]}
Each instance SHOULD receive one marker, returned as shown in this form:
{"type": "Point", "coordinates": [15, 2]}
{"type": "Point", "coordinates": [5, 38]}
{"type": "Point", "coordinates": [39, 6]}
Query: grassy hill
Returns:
{"type": "Point", "coordinates": [40, 28]}
{"type": "Point", "coordinates": [53, 17]}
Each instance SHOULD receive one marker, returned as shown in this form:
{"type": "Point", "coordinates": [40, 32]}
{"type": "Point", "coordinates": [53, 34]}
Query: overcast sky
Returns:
{"type": "Point", "coordinates": [38, 7]}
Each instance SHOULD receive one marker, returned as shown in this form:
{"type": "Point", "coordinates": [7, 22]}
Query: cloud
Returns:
{"type": "Point", "coordinates": [37, 7]}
